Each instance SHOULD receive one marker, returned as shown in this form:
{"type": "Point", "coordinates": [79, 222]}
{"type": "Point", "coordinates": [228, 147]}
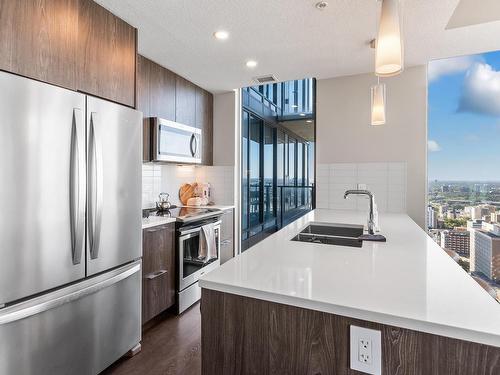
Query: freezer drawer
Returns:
{"type": "Point", "coordinates": [80, 329]}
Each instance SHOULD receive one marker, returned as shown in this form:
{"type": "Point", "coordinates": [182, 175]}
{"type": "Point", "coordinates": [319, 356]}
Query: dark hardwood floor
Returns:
{"type": "Point", "coordinates": [172, 346]}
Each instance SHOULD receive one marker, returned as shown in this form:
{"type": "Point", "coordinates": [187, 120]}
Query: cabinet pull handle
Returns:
{"type": "Point", "coordinates": [156, 274]}
{"type": "Point", "coordinates": [225, 242]}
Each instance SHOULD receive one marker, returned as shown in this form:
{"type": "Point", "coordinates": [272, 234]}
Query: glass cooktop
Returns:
{"type": "Point", "coordinates": [188, 213]}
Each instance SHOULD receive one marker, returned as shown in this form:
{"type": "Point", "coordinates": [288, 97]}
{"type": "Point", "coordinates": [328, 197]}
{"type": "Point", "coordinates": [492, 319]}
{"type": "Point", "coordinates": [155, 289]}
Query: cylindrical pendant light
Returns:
{"type": "Point", "coordinates": [389, 47]}
{"type": "Point", "coordinates": [378, 104]}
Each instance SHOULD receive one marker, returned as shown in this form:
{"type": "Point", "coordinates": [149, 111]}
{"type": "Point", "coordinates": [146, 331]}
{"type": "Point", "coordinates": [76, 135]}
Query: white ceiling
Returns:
{"type": "Point", "coordinates": [468, 13]}
{"type": "Point", "coordinates": [289, 38]}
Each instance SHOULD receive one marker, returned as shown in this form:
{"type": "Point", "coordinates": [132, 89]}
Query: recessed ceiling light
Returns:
{"type": "Point", "coordinates": [221, 35]}
{"type": "Point", "coordinates": [302, 114]}
{"type": "Point", "coordinates": [251, 64]}
{"type": "Point", "coordinates": [294, 106]}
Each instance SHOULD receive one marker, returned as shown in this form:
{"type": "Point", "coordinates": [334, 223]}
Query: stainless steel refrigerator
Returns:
{"type": "Point", "coordinates": [70, 229]}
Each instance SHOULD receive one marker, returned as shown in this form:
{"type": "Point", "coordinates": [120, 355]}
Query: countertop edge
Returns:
{"type": "Point", "coordinates": [350, 312]}
{"type": "Point", "coordinates": [164, 221]}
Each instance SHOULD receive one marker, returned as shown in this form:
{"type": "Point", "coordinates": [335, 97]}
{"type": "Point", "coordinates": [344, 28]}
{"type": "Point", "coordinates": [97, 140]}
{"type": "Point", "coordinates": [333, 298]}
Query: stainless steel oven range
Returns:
{"type": "Point", "coordinates": [190, 266]}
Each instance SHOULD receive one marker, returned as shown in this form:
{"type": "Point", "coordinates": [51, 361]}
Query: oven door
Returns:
{"type": "Point", "coordinates": [174, 142]}
{"type": "Point", "coordinates": [190, 268]}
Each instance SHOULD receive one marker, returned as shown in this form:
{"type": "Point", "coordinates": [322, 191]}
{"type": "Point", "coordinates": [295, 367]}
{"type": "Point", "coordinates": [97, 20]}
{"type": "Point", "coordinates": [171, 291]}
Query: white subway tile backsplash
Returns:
{"type": "Point", "coordinates": [386, 180]}
{"type": "Point", "coordinates": [168, 178]}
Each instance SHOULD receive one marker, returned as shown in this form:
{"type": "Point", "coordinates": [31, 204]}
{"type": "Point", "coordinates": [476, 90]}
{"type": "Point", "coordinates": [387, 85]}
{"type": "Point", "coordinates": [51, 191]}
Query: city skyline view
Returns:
{"type": "Point", "coordinates": [464, 118]}
{"type": "Point", "coordinates": [463, 215]}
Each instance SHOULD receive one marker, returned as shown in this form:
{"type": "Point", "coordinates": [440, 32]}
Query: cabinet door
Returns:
{"type": "Point", "coordinates": [227, 235]}
{"type": "Point", "coordinates": [158, 283]}
{"type": "Point", "coordinates": [185, 102]}
{"type": "Point", "coordinates": [204, 121]}
{"type": "Point", "coordinates": [162, 94]}
{"type": "Point", "coordinates": [144, 103]}
{"type": "Point", "coordinates": [38, 39]}
{"type": "Point", "coordinates": [106, 54]}
{"type": "Point", "coordinates": [227, 225]}
{"type": "Point", "coordinates": [226, 251]}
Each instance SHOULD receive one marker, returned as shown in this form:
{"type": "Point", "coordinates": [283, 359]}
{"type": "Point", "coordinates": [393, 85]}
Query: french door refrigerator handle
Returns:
{"type": "Point", "coordinates": [77, 186]}
{"type": "Point", "coordinates": [34, 307]}
{"type": "Point", "coordinates": [96, 182]}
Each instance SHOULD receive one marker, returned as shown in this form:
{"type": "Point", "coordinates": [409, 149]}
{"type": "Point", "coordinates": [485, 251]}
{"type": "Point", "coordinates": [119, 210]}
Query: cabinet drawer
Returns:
{"type": "Point", "coordinates": [158, 280]}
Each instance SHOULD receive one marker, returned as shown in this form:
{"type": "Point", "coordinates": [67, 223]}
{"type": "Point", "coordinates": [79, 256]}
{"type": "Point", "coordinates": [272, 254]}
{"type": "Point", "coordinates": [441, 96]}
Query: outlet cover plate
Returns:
{"type": "Point", "coordinates": [375, 338]}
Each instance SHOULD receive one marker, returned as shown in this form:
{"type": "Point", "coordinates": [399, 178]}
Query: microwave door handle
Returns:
{"type": "Point", "coordinates": [96, 185]}
{"type": "Point", "coordinates": [194, 142]}
{"type": "Point", "coordinates": [77, 185]}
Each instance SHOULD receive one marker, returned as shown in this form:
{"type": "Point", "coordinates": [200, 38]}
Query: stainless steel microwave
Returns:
{"type": "Point", "coordinates": [174, 142]}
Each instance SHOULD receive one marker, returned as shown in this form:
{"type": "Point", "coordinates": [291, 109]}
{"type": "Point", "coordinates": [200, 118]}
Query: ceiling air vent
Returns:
{"type": "Point", "coordinates": [265, 79]}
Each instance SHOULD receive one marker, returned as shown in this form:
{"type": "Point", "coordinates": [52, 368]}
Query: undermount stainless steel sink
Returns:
{"type": "Point", "coordinates": [331, 234]}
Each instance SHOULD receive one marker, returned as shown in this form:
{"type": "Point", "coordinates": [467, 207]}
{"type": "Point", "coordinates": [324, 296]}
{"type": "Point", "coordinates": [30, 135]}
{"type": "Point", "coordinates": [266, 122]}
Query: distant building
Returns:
{"type": "Point", "coordinates": [432, 220]}
{"type": "Point", "coordinates": [457, 240]}
{"type": "Point", "coordinates": [495, 217]}
{"type": "Point", "coordinates": [445, 188]}
{"type": "Point", "coordinates": [474, 224]}
{"type": "Point", "coordinates": [478, 212]}
{"type": "Point", "coordinates": [442, 211]}
{"type": "Point", "coordinates": [485, 251]}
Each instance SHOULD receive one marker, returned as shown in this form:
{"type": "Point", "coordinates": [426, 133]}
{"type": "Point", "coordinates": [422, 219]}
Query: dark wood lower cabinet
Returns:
{"type": "Point", "coordinates": [158, 270]}
{"type": "Point", "coordinates": [242, 335]}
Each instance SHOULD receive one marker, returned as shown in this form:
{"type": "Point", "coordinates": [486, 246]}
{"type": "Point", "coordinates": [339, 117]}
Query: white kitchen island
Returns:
{"type": "Point", "coordinates": [407, 282]}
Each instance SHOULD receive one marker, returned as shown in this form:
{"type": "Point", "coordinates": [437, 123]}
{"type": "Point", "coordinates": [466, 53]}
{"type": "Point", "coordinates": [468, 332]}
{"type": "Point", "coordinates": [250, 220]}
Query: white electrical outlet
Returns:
{"type": "Point", "coordinates": [366, 350]}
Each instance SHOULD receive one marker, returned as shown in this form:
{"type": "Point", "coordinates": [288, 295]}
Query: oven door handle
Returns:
{"type": "Point", "coordinates": [194, 230]}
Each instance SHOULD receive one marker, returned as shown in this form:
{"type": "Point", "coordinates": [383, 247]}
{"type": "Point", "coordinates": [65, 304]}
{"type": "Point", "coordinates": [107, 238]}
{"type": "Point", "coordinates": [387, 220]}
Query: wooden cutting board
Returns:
{"type": "Point", "coordinates": [186, 191]}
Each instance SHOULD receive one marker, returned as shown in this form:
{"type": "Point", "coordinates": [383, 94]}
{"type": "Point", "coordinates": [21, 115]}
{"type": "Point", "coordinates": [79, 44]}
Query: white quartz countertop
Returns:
{"type": "Point", "coordinates": [408, 281]}
{"type": "Point", "coordinates": [153, 221]}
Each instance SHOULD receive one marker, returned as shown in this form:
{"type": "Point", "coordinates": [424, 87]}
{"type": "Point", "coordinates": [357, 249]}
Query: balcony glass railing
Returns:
{"type": "Point", "coordinates": [293, 202]}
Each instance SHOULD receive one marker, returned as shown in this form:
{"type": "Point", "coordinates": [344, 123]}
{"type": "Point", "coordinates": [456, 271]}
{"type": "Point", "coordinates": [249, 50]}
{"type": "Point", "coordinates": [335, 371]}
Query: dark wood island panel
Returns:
{"type": "Point", "coordinates": [243, 335]}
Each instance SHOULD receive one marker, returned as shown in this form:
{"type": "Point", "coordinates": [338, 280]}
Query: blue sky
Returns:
{"type": "Point", "coordinates": [464, 118]}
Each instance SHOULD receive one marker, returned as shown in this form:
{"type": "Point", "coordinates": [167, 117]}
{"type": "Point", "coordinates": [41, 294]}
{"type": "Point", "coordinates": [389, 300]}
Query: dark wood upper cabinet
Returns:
{"type": "Point", "coordinates": [162, 94]}
{"type": "Point", "coordinates": [158, 270]}
{"type": "Point", "coordinates": [185, 102]}
{"type": "Point", "coordinates": [106, 54]}
{"type": "Point", "coordinates": [143, 85]}
{"type": "Point", "coordinates": [143, 103]}
{"type": "Point", "coordinates": [38, 39]}
{"type": "Point", "coordinates": [204, 121]}
{"type": "Point", "coordinates": [76, 44]}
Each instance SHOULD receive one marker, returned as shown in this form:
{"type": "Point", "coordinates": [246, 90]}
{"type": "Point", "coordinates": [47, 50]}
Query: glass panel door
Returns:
{"type": "Point", "coordinates": [292, 172]}
{"type": "Point", "coordinates": [244, 175]}
{"type": "Point", "coordinates": [300, 173]}
{"type": "Point", "coordinates": [254, 166]}
{"type": "Point", "coordinates": [269, 166]}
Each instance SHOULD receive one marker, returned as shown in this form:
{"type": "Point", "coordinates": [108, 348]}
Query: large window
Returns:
{"type": "Point", "coordinates": [277, 162]}
{"type": "Point", "coordinates": [463, 215]}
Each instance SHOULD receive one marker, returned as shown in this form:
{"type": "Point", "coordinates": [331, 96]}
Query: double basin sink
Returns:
{"type": "Point", "coordinates": [331, 234]}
